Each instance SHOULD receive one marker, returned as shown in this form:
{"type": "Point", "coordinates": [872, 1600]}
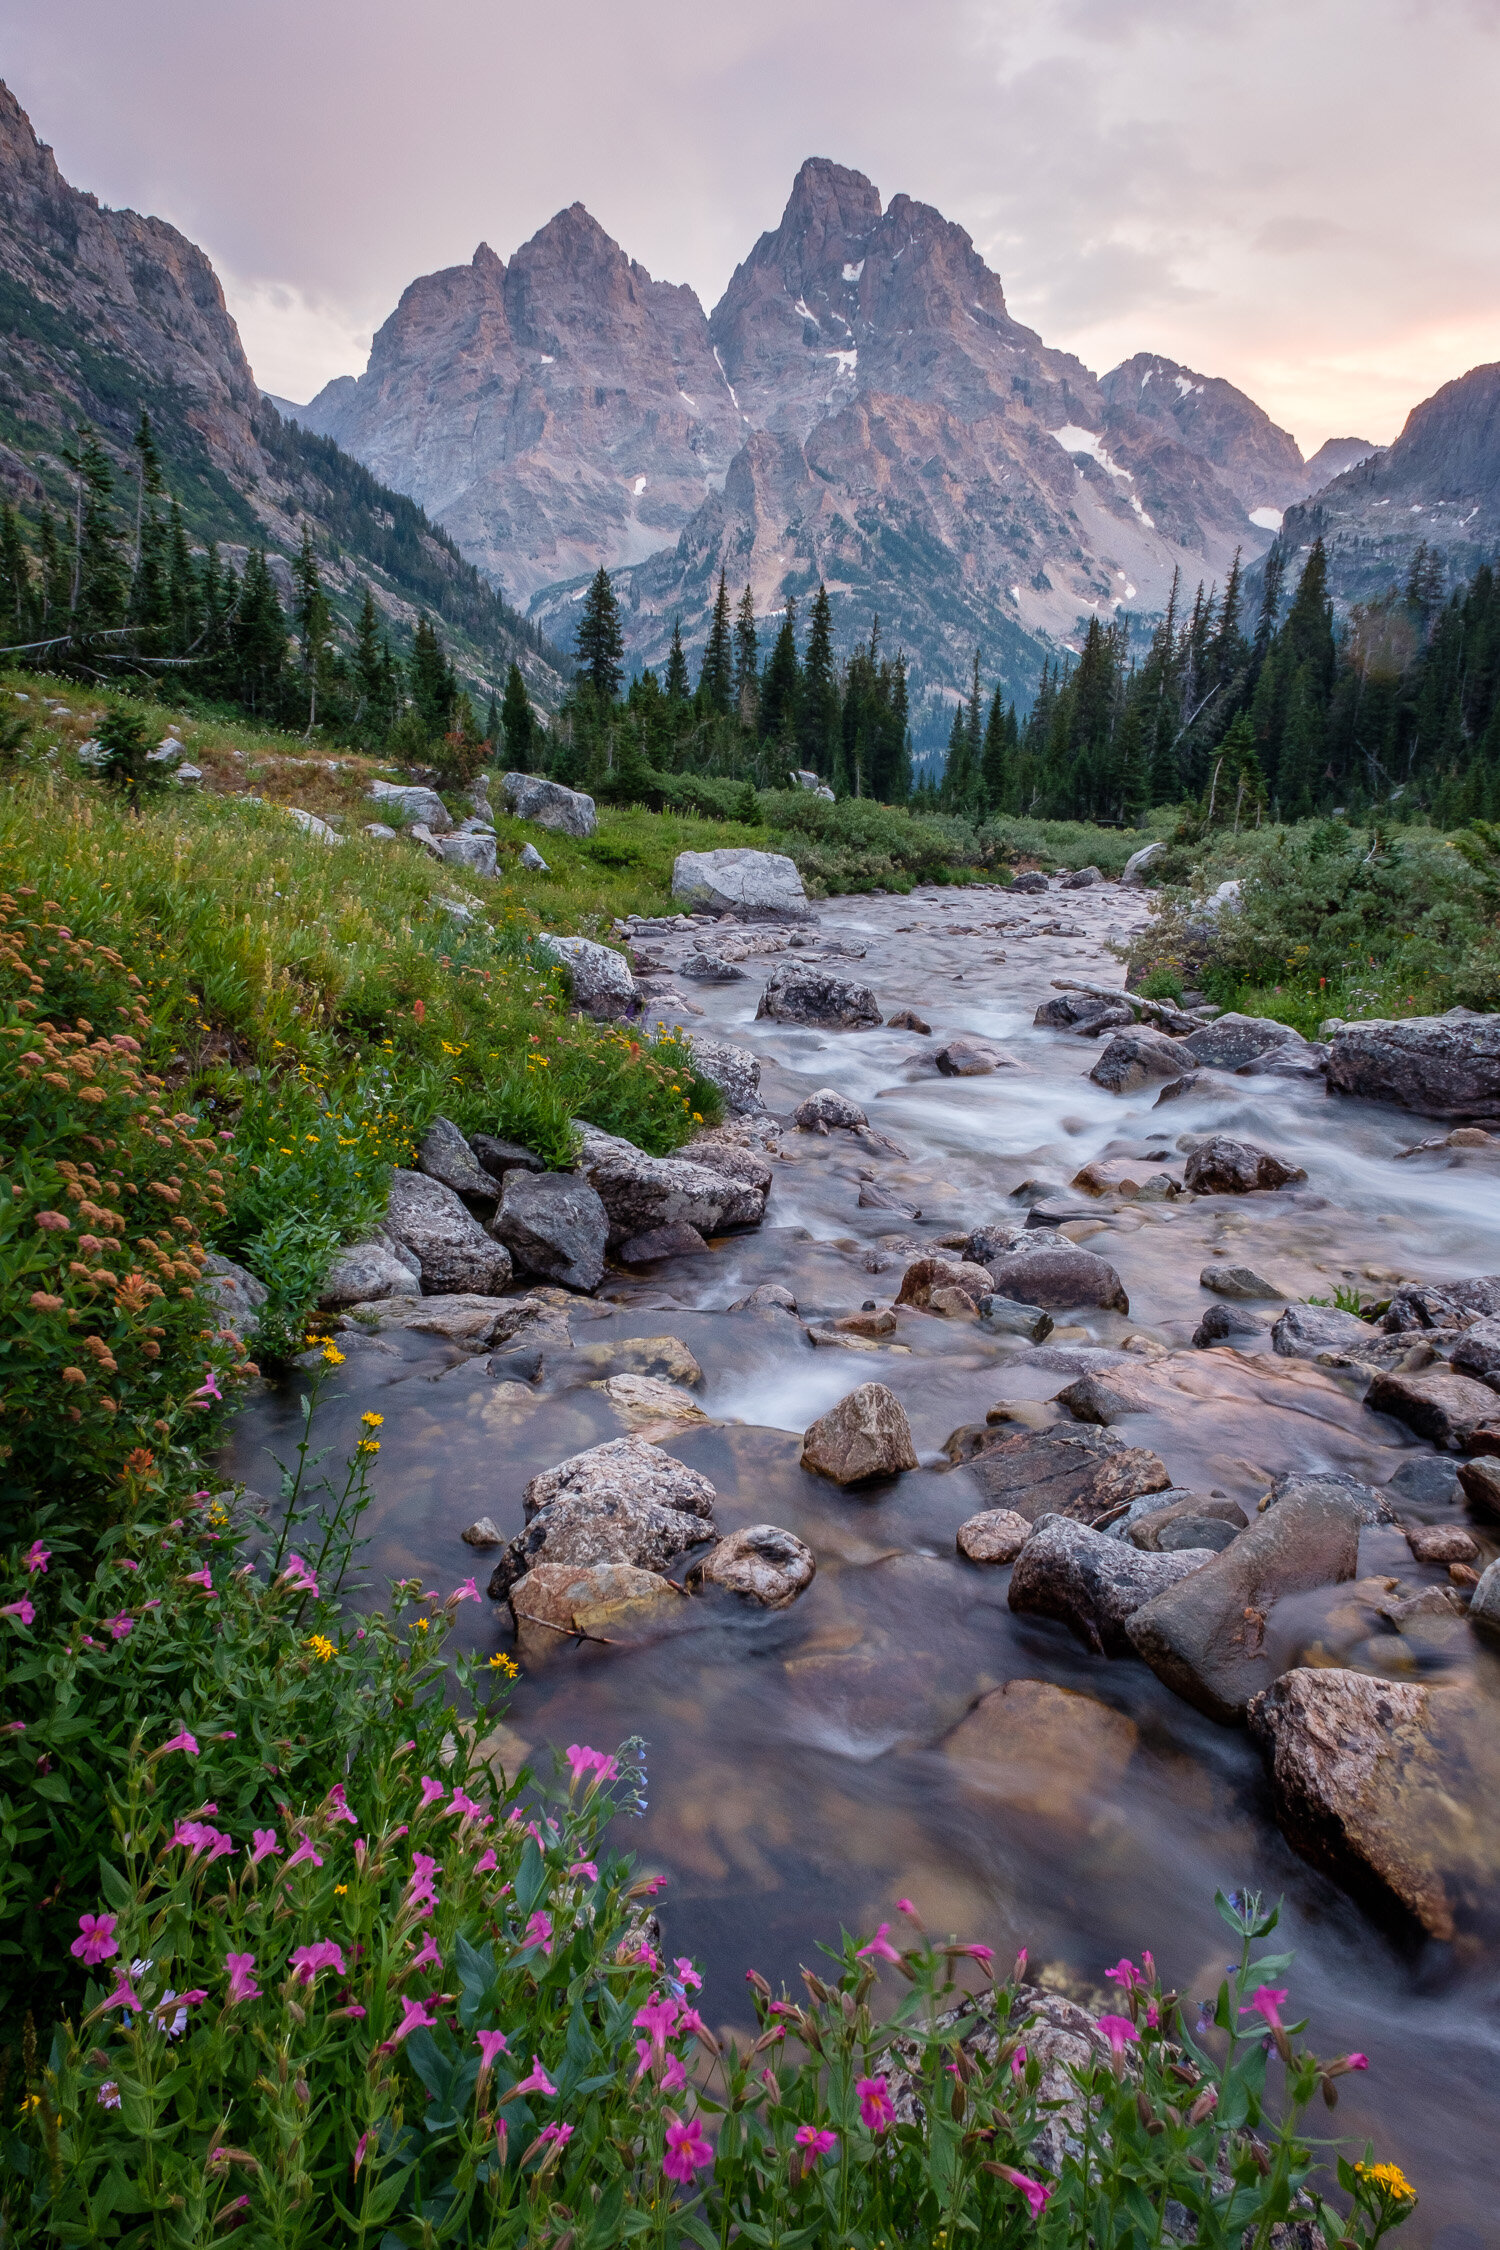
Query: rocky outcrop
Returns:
{"type": "Point", "coordinates": [1085, 1012]}
{"type": "Point", "coordinates": [641, 1192]}
{"type": "Point", "coordinates": [1082, 1473]}
{"type": "Point", "coordinates": [1440, 1066]}
{"type": "Point", "coordinates": [734, 1070]}
{"type": "Point", "coordinates": [1260, 463]}
{"type": "Point", "coordinates": [553, 1224]}
{"type": "Point", "coordinates": [826, 1109]}
{"type": "Point", "coordinates": [1446, 1304]}
{"type": "Point", "coordinates": [1206, 1638]}
{"type": "Point", "coordinates": [1134, 1059]}
{"type": "Point", "coordinates": [753, 886]}
{"type": "Point", "coordinates": [1305, 1330]}
{"type": "Point", "coordinates": [448, 1243]}
{"type": "Point", "coordinates": [365, 1272]}
{"type": "Point", "coordinates": [1221, 1166]}
{"type": "Point", "coordinates": [601, 980]}
{"type": "Point", "coordinates": [445, 1155]}
{"type": "Point", "coordinates": [1092, 1584]}
{"type": "Point", "coordinates": [762, 1564]}
{"type": "Point", "coordinates": [1393, 1787]}
{"type": "Point", "coordinates": [499, 1157]}
{"type": "Point", "coordinates": [549, 804]}
{"type": "Point", "coordinates": [797, 992]}
{"type": "Point", "coordinates": [1058, 1277]}
{"type": "Point", "coordinates": [865, 1436]}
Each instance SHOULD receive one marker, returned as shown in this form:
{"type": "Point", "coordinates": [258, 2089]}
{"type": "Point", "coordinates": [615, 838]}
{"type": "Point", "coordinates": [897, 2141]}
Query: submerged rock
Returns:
{"type": "Point", "coordinates": [607, 1601]}
{"type": "Point", "coordinates": [1090, 1583]}
{"type": "Point", "coordinates": [866, 1435]}
{"type": "Point", "coordinates": [762, 1563]}
{"type": "Point", "coordinates": [1222, 1322]}
{"type": "Point", "coordinates": [1438, 1405]}
{"type": "Point", "coordinates": [798, 992]}
{"type": "Point", "coordinates": [995, 1535]}
{"type": "Point", "coordinates": [1083, 1473]}
{"type": "Point", "coordinates": [1238, 1281]}
{"type": "Point", "coordinates": [1008, 1318]}
{"type": "Point", "coordinates": [1368, 1504]}
{"type": "Point", "coordinates": [1045, 1750]}
{"type": "Point", "coordinates": [1305, 1330]}
{"type": "Point", "coordinates": [1221, 1166]}
{"type": "Point", "coordinates": [925, 1278]}
{"type": "Point", "coordinates": [972, 1057]}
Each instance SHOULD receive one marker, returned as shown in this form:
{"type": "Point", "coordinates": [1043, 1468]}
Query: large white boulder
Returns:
{"type": "Point", "coordinates": [761, 886]}
{"type": "Point", "coordinates": [528, 797]}
{"type": "Point", "coordinates": [412, 804]}
{"type": "Point", "coordinates": [602, 983]}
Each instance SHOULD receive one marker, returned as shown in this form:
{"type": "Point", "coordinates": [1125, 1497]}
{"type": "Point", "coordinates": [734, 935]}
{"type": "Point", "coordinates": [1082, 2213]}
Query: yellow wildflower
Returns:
{"type": "Point", "coordinates": [333, 1355]}
{"type": "Point", "coordinates": [419, 1625]}
{"type": "Point", "coordinates": [368, 1445]}
{"type": "Point", "coordinates": [372, 1421]}
{"type": "Point", "coordinates": [504, 1664]}
{"type": "Point", "coordinates": [1391, 2178]}
{"type": "Point", "coordinates": [341, 1890]}
{"type": "Point", "coordinates": [321, 1646]}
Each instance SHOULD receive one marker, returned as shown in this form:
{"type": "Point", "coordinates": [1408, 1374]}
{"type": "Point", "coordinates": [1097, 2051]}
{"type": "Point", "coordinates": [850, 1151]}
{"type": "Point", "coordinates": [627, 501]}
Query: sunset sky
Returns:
{"type": "Point", "coordinates": [1296, 194]}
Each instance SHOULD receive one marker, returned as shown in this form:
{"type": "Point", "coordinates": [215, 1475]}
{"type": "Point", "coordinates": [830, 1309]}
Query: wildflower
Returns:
{"type": "Point", "coordinates": [490, 2044]}
{"type": "Point", "coordinates": [36, 1557]}
{"type": "Point", "coordinates": [360, 2147]}
{"type": "Point", "coordinates": [419, 1884]}
{"type": "Point", "coordinates": [341, 1890]}
{"type": "Point", "coordinates": [265, 1845]}
{"type": "Point", "coordinates": [467, 1592]}
{"type": "Point", "coordinates": [561, 2134]}
{"type": "Point", "coordinates": [297, 1577]}
{"type": "Point", "coordinates": [123, 1996]}
{"type": "Point", "coordinates": [183, 1741]}
{"type": "Point", "coordinates": [879, 1947]}
{"type": "Point", "coordinates": [1036, 2195]}
{"type": "Point", "coordinates": [242, 1984]}
{"type": "Point", "coordinates": [332, 1355]}
{"type": "Point", "coordinates": [487, 1864]}
{"type": "Point", "coordinates": [584, 1761]}
{"type": "Point", "coordinates": [658, 2018]}
{"type": "Point", "coordinates": [875, 2106]}
{"type": "Point", "coordinates": [1266, 2001]}
{"type": "Point", "coordinates": [814, 2141]}
{"type": "Point", "coordinates": [687, 2151]}
{"type": "Point", "coordinates": [539, 1932]}
{"type": "Point", "coordinates": [417, 2017]}
{"type": "Point", "coordinates": [372, 1421]}
{"type": "Point", "coordinates": [368, 1445]}
{"type": "Point", "coordinates": [22, 1610]}
{"type": "Point", "coordinates": [429, 1957]}
{"type": "Point", "coordinates": [1124, 1974]}
{"type": "Point", "coordinates": [1390, 2178]}
{"type": "Point", "coordinates": [432, 1791]}
{"type": "Point", "coordinates": [307, 1960]}
{"type": "Point", "coordinates": [120, 1626]}
{"type": "Point", "coordinates": [108, 2096]}
{"type": "Point", "coordinates": [209, 1388]}
{"type": "Point", "coordinates": [1018, 2063]}
{"type": "Point", "coordinates": [585, 1867]}
{"type": "Point", "coordinates": [1119, 2031]}
{"type": "Point", "coordinates": [504, 1664]}
{"type": "Point", "coordinates": [536, 2081]}
{"type": "Point", "coordinates": [97, 1941]}
{"type": "Point", "coordinates": [463, 1806]}
{"type": "Point", "coordinates": [336, 1806]}
{"type": "Point", "coordinates": [687, 1974]}
{"type": "Point", "coordinates": [303, 1855]}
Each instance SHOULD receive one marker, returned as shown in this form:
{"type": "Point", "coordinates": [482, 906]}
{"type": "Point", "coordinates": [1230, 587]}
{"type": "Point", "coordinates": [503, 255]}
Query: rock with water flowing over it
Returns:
{"type": "Point", "coordinates": [1206, 1638]}
{"type": "Point", "coordinates": [1222, 1166]}
{"type": "Point", "coordinates": [1233, 1040]}
{"type": "Point", "coordinates": [1195, 1519]}
{"type": "Point", "coordinates": [609, 1601]}
{"type": "Point", "coordinates": [366, 1272]}
{"type": "Point", "coordinates": [237, 1297]}
{"type": "Point", "coordinates": [449, 1244]}
{"type": "Point", "coordinates": [608, 1529]}
{"type": "Point", "coordinates": [907, 1019]}
{"type": "Point", "coordinates": [553, 1224]}
{"type": "Point", "coordinates": [925, 1277]}
{"type": "Point", "coordinates": [445, 1155]}
{"type": "Point", "coordinates": [1392, 1787]}
{"type": "Point", "coordinates": [1438, 1405]}
{"type": "Point", "coordinates": [412, 804]}
{"type": "Point", "coordinates": [727, 1149]}
{"type": "Point", "coordinates": [1305, 1330]}
{"type": "Point", "coordinates": [1058, 1277]}
{"type": "Point", "coordinates": [1484, 1606]}
{"type": "Point", "coordinates": [865, 1436]}
{"type": "Point", "coordinates": [649, 1406]}
{"type": "Point", "coordinates": [1370, 1505]}
{"type": "Point", "coordinates": [1241, 1282]}
{"type": "Point", "coordinates": [1083, 1473]}
{"type": "Point", "coordinates": [1440, 1066]}
{"type": "Point", "coordinates": [734, 1070]}
{"type": "Point", "coordinates": [1477, 1352]}
{"type": "Point", "coordinates": [1134, 1059]}
{"type": "Point", "coordinates": [825, 1110]}
{"type": "Point", "coordinates": [1092, 1584]}
{"type": "Point", "coordinates": [995, 1535]}
{"type": "Point", "coordinates": [755, 886]}
{"type": "Point", "coordinates": [1445, 1304]}
{"type": "Point", "coordinates": [568, 811]}
{"type": "Point", "coordinates": [675, 1240]}
{"type": "Point", "coordinates": [640, 1192]}
{"type": "Point", "coordinates": [762, 1564]}
{"type": "Point", "coordinates": [798, 992]}
{"type": "Point", "coordinates": [973, 1057]}
{"type": "Point", "coordinates": [603, 986]}
{"type": "Point", "coordinates": [1007, 1318]}
{"type": "Point", "coordinates": [1222, 1322]}
{"type": "Point", "coordinates": [1441, 1543]}
{"type": "Point", "coordinates": [1043, 1749]}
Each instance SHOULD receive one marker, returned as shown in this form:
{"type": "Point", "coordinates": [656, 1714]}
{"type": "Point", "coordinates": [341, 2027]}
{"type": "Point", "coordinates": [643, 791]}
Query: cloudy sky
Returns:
{"type": "Point", "coordinates": [1296, 194]}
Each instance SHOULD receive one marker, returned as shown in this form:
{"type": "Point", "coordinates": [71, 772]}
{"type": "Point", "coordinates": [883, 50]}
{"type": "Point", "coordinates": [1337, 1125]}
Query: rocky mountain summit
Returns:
{"type": "Point", "coordinates": [1258, 461]}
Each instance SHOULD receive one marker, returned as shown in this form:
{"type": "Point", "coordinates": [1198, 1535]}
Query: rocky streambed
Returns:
{"type": "Point", "coordinates": [1060, 1733]}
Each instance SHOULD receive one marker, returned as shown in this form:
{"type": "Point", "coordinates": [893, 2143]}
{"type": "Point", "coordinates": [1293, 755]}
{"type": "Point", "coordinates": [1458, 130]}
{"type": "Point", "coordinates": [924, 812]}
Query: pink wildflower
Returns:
{"type": "Point", "coordinates": [1266, 2001]}
{"type": "Point", "coordinates": [1120, 2032]}
{"type": "Point", "coordinates": [1356, 2062]}
{"type": "Point", "coordinates": [539, 1932]}
{"type": "Point", "coordinates": [463, 1806]}
{"type": "Point", "coordinates": [643, 2060]}
{"type": "Point", "coordinates": [1036, 2195]}
{"type": "Point", "coordinates": [120, 1626]}
{"type": "Point", "coordinates": [336, 1806]}
{"type": "Point", "coordinates": [417, 2017]}
{"type": "Point", "coordinates": [536, 2081]}
{"type": "Point", "coordinates": [242, 1984]}
{"type": "Point", "coordinates": [875, 2105]}
{"type": "Point", "coordinates": [905, 1906]}
{"type": "Point", "coordinates": [687, 2150]}
{"type": "Point", "coordinates": [585, 1761]}
{"type": "Point", "coordinates": [673, 2077]}
{"type": "Point", "coordinates": [585, 1867]}
{"type": "Point", "coordinates": [880, 1947]}
{"type": "Point", "coordinates": [1124, 1974]}
{"type": "Point", "coordinates": [307, 1960]}
{"type": "Point", "coordinates": [22, 1610]}
{"type": "Point", "coordinates": [814, 2142]}
{"type": "Point", "coordinates": [429, 1957]}
{"type": "Point", "coordinates": [265, 1845]}
{"type": "Point", "coordinates": [490, 2044]}
{"type": "Point", "coordinates": [182, 1741]}
{"type": "Point", "coordinates": [304, 1855]}
{"type": "Point", "coordinates": [123, 1995]}
{"type": "Point", "coordinates": [209, 1388]}
{"type": "Point", "coordinates": [467, 1592]}
{"type": "Point", "coordinates": [36, 1557]}
{"type": "Point", "coordinates": [659, 2019]}
{"type": "Point", "coordinates": [361, 2146]}
{"type": "Point", "coordinates": [108, 2096]}
{"type": "Point", "coordinates": [433, 1792]}
{"type": "Point", "coordinates": [1018, 2063]}
{"type": "Point", "coordinates": [487, 1863]}
{"type": "Point", "coordinates": [562, 2134]}
{"type": "Point", "coordinates": [203, 1578]}
{"type": "Point", "coordinates": [687, 1974]}
{"type": "Point", "coordinates": [98, 1940]}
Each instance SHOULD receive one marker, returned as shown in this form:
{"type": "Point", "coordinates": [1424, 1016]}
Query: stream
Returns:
{"type": "Point", "coordinates": [798, 1775]}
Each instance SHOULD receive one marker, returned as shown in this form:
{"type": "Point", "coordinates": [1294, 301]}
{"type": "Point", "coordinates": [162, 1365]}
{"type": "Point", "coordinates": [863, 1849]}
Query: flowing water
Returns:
{"type": "Point", "coordinates": [798, 1774]}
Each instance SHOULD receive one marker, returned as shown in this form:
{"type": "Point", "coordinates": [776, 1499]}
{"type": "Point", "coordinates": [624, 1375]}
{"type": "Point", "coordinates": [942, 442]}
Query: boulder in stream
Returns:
{"type": "Point", "coordinates": [1440, 1066]}
{"type": "Point", "coordinates": [1222, 1166]}
{"type": "Point", "coordinates": [1030, 879]}
{"type": "Point", "coordinates": [624, 1468]}
{"type": "Point", "coordinates": [1238, 1281]}
{"type": "Point", "coordinates": [1477, 1352]}
{"type": "Point", "coordinates": [734, 1070]}
{"type": "Point", "coordinates": [1134, 1059]}
{"type": "Point", "coordinates": [1057, 1276]}
{"type": "Point", "coordinates": [865, 1436]}
{"type": "Point", "coordinates": [1438, 1405]}
{"type": "Point", "coordinates": [1092, 1584]}
{"type": "Point", "coordinates": [607, 1528]}
{"type": "Point", "coordinates": [762, 1564]}
{"type": "Point", "coordinates": [800, 992]}
{"type": "Point", "coordinates": [1079, 1472]}
{"type": "Point", "coordinates": [972, 1057]}
{"type": "Point", "coordinates": [825, 1110]}
{"type": "Point", "coordinates": [1007, 1318]}
{"type": "Point", "coordinates": [553, 1224]}
{"type": "Point", "coordinates": [1222, 1322]}
{"type": "Point", "coordinates": [1206, 1636]}
{"type": "Point", "coordinates": [449, 1244]}
{"type": "Point", "coordinates": [592, 1601]}
{"type": "Point", "coordinates": [925, 1277]}
{"type": "Point", "coordinates": [1233, 1040]}
{"type": "Point", "coordinates": [1305, 1330]}
{"type": "Point", "coordinates": [368, 1272]}
{"type": "Point", "coordinates": [1442, 1304]}
{"type": "Point", "coordinates": [675, 1240]}
{"type": "Point", "coordinates": [754, 886]}
{"type": "Point", "coordinates": [640, 1192]}
{"type": "Point", "coordinates": [1083, 1012]}
{"type": "Point", "coordinates": [995, 1535]}
{"type": "Point", "coordinates": [1479, 1481]}
{"type": "Point", "coordinates": [1369, 1505]}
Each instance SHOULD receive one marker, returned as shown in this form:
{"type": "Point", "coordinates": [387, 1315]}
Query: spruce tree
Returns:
{"type": "Point", "coordinates": [100, 576]}
{"type": "Point", "coordinates": [716, 679]}
{"type": "Point", "coordinates": [150, 484]}
{"type": "Point", "coordinates": [744, 695]}
{"type": "Point", "coordinates": [258, 636]}
{"type": "Point", "coordinates": [1134, 768]}
{"type": "Point", "coordinates": [434, 689]}
{"type": "Point", "coordinates": [15, 579]}
{"type": "Point", "coordinates": [1308, 632]}
{"type": "Point", "coordinates": [184, 590]}
{"type": "Point", "coordinates": [783, 678]}
{"type": "Point", "coordinates": [600, 645]}
{"type": "Point", "coordinates": [368, 669]}
{"type": "Point", "coordinates": [518, 721]}
{"type": "Point", "coordinates": [818, 710]}
{"type": "Point", "coordinates": [998, 756]}
{"type": "Point", "coordinates": [55, 580]}
{"type": "Point", "coordinates": [313, 620]}
{"type": "Point", "coordinates": [677, 687]}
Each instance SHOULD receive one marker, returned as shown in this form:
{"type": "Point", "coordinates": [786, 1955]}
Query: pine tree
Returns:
{"type": "Point", "coordinates": [313, 621]}
{"type": "Point", "coordinates": [1134, 768]}
{"type": "Point", "coordinates": [1270, 603]}
{"type": "Point", "coordinates": [716, 679]}
{"type": "Point", "coordinates": [745, 693]}
{"type": "Point", "coordinates": [492, 724]}
{"type": "Point", "coordinates": [150, 484]}
{"type": "Point", "coordinates": [600, 644]}
{"type": "Point", "coordinates": [957, 787]}
{"type": "Point", "coordinates": [258, 636]}
{"type": "Point", "coordinates": [677, 688]}
{"type": "Point", "coordinates": [818, 712]}
{"type": "Point", "coordinates": [369, 670]}
{"type": "Point", "coordinates": [100, 577]}
{"type": "Point", "coordinates": [783, 678]}
{"type": "Point", "coordinates": [184, 590]}
{"type": "Point", "coordinates": [518, 721]}
{"type": "Point", "coordinates": [15, 580]}
{"type": "Point", "coordinates": [997, 760]}
{"type": "Point", "coordinates": [54, 587]}
{"type": "Point", "coordinates": [1307, 634]}
{"type": "Point", "coordinates": [434, 690]}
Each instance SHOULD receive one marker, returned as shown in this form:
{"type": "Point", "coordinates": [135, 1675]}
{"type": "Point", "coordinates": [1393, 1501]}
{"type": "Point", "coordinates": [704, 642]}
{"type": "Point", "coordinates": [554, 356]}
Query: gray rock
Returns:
{"type": "Point", "coordinates": [720, 1149]}
{"type": "Point", "coordinates": [1083, 1473]}
{"type": "Point", "coordinates": [380, 832]}
{"type": "Point", "coordinates": [762, 1564]}
{"type": "Point", "coordinates": [612, 1529]}
{"type": "Point", "coordinates": [366, 1272]}
{"type": "Point", "coordinates": [770, 1296]}
{"type": "Point", "coordinates": [755, 886]}
{"type": "Point", "coordinates": [483, 1533]}
{"type": "Point", "coordinates": [527, 797]}
{"type": "Point", "coordinates": [1477, 1351]}
{"type": "Point", "coordinates": [1220, 1322]}
{"type": "Point", "coordinates": [1134, 1059]}
{"type": "Point", "coordinates": [602, 983]}
{"type": "Point", "coordinates": [1479, 1481]}
{"type": "Point", "coordinates": [500, 1157]}
{"type": "Point", "coordinates": [640, 1192]}
{"type": "Point", "coordinates": [409, 805]}
{"type": "Point", "coordinates": [1090, 1583]}
{"type": "Point", "coordinates": [1444, 1304]}
{"type": "Point", "coordinates": [1082, 1011]}
{"type": "Point", "coordinates": [925, 1277]}
{"type": "Point", "coordinates": [1054, 1277]}
{"type": "Point", "coordinates": [907, 1019]}
{"type": "Point", "coordinates": [445, 1155]}
{"type": "Point", "coordinates": [1308, 1059]}
{"type": "Point", "coordinates": [1233, 1040]}
{"type": "Point", "coordinates": [532, 859]}
{"type": "Point", "coordinates": [734, 1070]}
{"type": "Point", "coordinates": [1221, 1166]}
{"type": "Point", "coordinates": [1139, 862]}
{"type": "Point", "coordinates": [310, 825]}
{"type": "Point", "coordinates": [675, 1240]}
{"type": "Point", "coordinates": [799, 992]}
{"type": "Point", "coordinates": [1437, 1404]}
{"type": "Point", "coordinates": [826, 1108]}
{"type": "Point", "coordinates": [1427, 1482]}
{"type": "Point", "coordinates": [712, 968]}
{"type": "Point", "coordinates": [1081, 879]}
{"type": "Point", "coordinates": [1305, 1330]}
{"type": "Point", "coordinates": [1369, 1505]}
{"type": "Point", "coordinates": [237, 1297]}
{"type": "Point", "coordinates": [1440, 1066]}
{"type": "Point", "coordinates": [554, 1224]}
{"type": "Point", "coordinates": [995, 1535]}
{"type": "Point", "coordinates": [449, 1244]}
{"type": "Point", "coordinates": [1031, 880]}
{"type": "Point", "coordinates": [1193, 1520]}
{"type": "Point", "coordinates": [866, 1435]}
{"type": "Point", "coordinates": [1484, 1604]}
{"type": "Point", "coordinates": [986, 1244]}
{"type": "Point", "coordinates": [1238, 1281]}
{"type": "Point", "coordinates": [477, 853]}
{"type": "Point", "coordinates": [1008, 1318]}
{"type": "Point", "coordinates": [625, 1468]}
{"type": "Point", "coordinates": [972, 1057]}
{"type": "Point", "coordinates": [1206, 1636]}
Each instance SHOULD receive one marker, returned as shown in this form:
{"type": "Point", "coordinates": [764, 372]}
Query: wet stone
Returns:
{"type": "Point", "coordinates": [1371, 1506]}
{"type": "Point", "coordinates": [553, 1224]}
{"type": "Point", "coordinates": [1043, 1749]}
{"type": "Point", "coordinates": [1238, 1281]}
{"type": "Point", "coordinates": [973, 1057]}
{"type": "Point", "coordinates": [1305, 1330]}
{"type": "Point", "coordinates": [483, 1533]}
{"type": "Point", "coordinates": [762, 1564]}
{"type": "Point", "coordinates": [676, 1240]}
{"type": "Point", "coordinates": [1441, 1407]}
{"type": "Point", "coordinates": [555, 1602]}
{"type": "Point", "coordinates": [927, 1276]}
{"type": "Point", "coordinates": [827, 1109]}
{"type": "Point", "coordinates": [1479, 1481]}
{"type": "Point", "coordinates": [1083, 1473]}
{"type": "Point", "coordinates": [1134, 1059]}
{"type": "Point", "coordinates": [1441, 1543]}
{"type": "Point", "coordinates": [1058, 1276]}
{"type": "Point", "coordinates": [1222, 1323]}
{"type": "Point", "coordinates": [865, 1436]}
{"type": "Point", "coordinates": [995, 1535]}
{"type": "Point", "coordinates": [1008, 1318]}
{"type": "Point", "coordinates": [1221, 1166]}
{"type": "Point", "coordinates": [1091, 1584]}
{"type": "Point", "coordinates": [800, 993]}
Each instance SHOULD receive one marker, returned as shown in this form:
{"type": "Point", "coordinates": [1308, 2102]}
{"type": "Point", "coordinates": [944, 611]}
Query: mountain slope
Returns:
{"type": "Point", "coordinates": [1258, 461]}
{"type": "Point", "coordinates": [103, 313]}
